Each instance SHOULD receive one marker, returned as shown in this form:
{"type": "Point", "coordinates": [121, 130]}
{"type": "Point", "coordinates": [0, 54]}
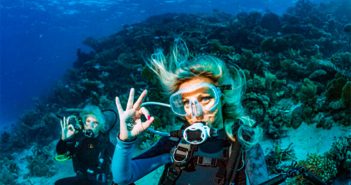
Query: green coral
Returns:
{"type": "Point", "coordinates": [308, 91]}
{"type": "Point", "coordinates": [320, 166]}
{"type": "Point", "coordinates": [317, 74]}
{"type": "Point", "coordinates": [340, 152]}
{"type": "Point", "coordinates": [334, 88]}
{"type": "Point", "coordinates": [258, 82]}
{"type": "Point", "coordinates": [217, 46]}
{"type": "Point", "coordinates": [342, 63]}
{"type": "Point", "coordinates": [339, 93]}
{"type": "Point", "coordinates": [278, 156]}
{"type": "Point", "coordinates": [252, 61]}
{"type": "Point", "coordinates": [272, 82]}
{"type": "Point", "coordinates": [292, 66]}
{"type": "Point", "coordinates": [346, 94]}
{"type": "Point", "coordinates": [270, 78]}
{"type": "Point", "coordinates": [274, 45]}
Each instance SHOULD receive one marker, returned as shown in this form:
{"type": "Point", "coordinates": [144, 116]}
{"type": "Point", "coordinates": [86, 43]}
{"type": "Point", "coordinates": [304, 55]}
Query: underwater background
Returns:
{"type": "Point", "coordinates": [64, 54]}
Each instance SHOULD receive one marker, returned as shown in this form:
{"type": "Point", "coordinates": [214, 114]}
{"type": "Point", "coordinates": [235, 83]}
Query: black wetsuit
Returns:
{"type": "Point", "coordinates": [91, 159]}
{"type": "Point", "coordinates": [251, 165]}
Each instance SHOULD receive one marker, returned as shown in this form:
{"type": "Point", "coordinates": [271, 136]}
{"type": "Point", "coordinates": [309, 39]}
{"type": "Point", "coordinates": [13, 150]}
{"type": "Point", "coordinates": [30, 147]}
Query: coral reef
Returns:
{"type": "Point", "coordinates": [9, 171]}
{"type": "Point", "coordinates": [308, 91]}
{"type": "Point", "coordinates": [338, 90]}
{"type": "Point", "coordinates": [320, 166]}
{"type": "Point", "coordinates": [278, 158]}
{"type": "Point", "coordinates": [340, 152]}
{"type": "Point", "coordinates": [297, 67]}
{"type": "Point", "coordinates": [40, 162]}
{"type": "Point", "coordinates": [346, 94]}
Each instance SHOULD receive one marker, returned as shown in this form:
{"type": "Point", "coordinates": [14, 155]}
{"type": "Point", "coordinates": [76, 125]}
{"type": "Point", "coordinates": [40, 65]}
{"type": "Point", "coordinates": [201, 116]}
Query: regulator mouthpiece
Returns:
{"type": "Point", "coordinates": [198, 133]}
{"type": "Point", "coordinates": [88, 133]}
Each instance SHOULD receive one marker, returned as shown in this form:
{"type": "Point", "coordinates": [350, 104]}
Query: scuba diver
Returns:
{"type": "Point", "coordinates": [218, 142]}
{"type": "Point", "coordinates": [82, 140]}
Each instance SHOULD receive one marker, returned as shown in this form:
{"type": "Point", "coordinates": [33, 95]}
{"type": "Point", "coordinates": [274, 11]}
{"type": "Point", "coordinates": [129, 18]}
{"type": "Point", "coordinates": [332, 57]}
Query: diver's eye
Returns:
{"type": "Point", "coordinates": [95, 124]}
{"type": "Point", "coordinates": [185, 103]}
{"type": "Point", "coordinates": [91, 123]}
{"type": "Point", "coordinates": [205, 99]}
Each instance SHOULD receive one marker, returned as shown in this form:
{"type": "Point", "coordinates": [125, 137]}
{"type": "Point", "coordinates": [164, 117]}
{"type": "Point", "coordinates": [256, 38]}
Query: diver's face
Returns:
{"type": "Point", "coordinates": [92, 124]}
{"type": "Point", "coordinates": [213, 117]}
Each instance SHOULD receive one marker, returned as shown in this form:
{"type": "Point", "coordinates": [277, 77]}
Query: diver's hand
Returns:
{"type": "Point", "coordinates": [130, 119]}
{"type": "Point", "coordinates": [67, 130]}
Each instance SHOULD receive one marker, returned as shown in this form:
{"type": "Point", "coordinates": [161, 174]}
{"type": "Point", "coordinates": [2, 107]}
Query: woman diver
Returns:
{"type": "Point", "coordinates": [218, 143]}
{"type": "Point", "coordinates": [91, 152]}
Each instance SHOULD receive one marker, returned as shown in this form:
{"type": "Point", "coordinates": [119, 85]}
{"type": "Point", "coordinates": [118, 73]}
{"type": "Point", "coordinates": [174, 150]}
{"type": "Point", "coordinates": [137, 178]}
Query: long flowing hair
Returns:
{"type": "Point", "coordinates": [178, 68]}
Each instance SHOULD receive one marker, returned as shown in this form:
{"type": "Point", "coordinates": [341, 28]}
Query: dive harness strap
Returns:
{"type": "Point", "coordinates": [181, 156]}
{"type": "Point", "coordinates": [233, 173]}
{"type": "Point", "coordinates": [183, 159]}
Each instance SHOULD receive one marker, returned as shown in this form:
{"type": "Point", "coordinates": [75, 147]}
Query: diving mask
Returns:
{"type": "Point", "coordinates": [195, 100]}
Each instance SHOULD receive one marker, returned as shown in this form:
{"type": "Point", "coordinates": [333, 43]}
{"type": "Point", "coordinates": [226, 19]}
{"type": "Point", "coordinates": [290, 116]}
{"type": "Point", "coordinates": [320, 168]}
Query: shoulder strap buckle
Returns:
{"type": "Point", "coordinates": [181, 153]}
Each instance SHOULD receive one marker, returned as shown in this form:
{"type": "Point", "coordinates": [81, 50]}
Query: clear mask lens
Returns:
{"type": "Point", "coordinates": [91, 123]}
{"type": "Point", "coordinates": [203, 97]}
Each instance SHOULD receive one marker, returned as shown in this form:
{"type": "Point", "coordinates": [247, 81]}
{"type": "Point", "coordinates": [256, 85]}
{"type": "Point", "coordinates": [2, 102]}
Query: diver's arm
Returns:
{"type": "Point", "coordinates": [64, 146]}
{"type": "Point", "coordinates": [125, 170]}
{"type": "Point", "coordinates": [256, 168]}
{"type": "Point", "coordinates": [67, 141]}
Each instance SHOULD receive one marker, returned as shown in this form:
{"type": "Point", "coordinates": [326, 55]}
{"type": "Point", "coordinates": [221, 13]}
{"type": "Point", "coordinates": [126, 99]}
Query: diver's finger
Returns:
{"type": "Point", "coordinates": [64, 122]}
{"type": "Point", "coordinates": [70, 127]}
{"type": "Point", "coordinates": [145, 112]}
{"type": "Point", "coordinates": [61, 123]}
{"type": "Point", "coordinates": [119, 106]}
{"type": "Point", "coordinates": [130, 99]}
{"type": "Point", "coordinates": [68, 120]}
{"type": "Point", "coordinates": [146, 124]}
{"type": "Point", "coordinates": [140, 127]}
{"type": "Point", "coordinates": [140, 99]}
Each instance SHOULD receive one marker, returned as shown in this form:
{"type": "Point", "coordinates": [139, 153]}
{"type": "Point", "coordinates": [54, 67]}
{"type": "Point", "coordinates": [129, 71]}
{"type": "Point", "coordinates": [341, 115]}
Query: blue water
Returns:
{"type": "Point", "coordinates": [39, 38]}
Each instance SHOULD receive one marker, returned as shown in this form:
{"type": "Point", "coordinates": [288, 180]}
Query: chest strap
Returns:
{"type": "Point", "coordinates": [231, 168]}
{"type": "Point", "coordinates": [209, 162]}
{"type": "Point", "coordinates": [182, 153]}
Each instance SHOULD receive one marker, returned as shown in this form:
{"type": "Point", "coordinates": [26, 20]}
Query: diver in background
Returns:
{"type": "Point", "coordinates": [217, 144]}
{"type": "Point", "coordinates": [91, 152]}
